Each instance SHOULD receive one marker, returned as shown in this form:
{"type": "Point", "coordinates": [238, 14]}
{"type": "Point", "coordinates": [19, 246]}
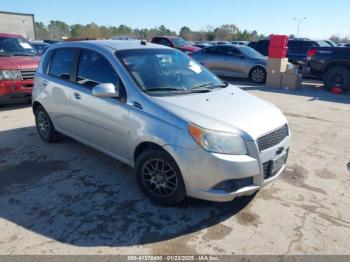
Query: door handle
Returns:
{"type": "Point", "coordinates": [77, 96]}
{"type": "Point", "coordinates": [44, 83]}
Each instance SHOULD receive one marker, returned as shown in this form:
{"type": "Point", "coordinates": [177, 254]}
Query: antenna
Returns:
{"type": "Point", "coordinates": [142, 41]}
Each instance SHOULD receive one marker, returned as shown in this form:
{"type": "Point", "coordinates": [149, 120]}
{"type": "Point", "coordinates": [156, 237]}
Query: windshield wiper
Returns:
{"type": "Point", "coordinates": [165, 89]}
{"type": "Point", "coordinates": [206, 86]}
{"type": "Point", "coordinates": [22, 54]}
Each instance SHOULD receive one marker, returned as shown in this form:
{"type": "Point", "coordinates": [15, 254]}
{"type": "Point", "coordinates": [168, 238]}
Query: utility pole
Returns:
{"type": "Point", "coordinates": [299, 20]}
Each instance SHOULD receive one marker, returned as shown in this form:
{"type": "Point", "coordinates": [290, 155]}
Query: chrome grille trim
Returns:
{"type": "Point", "coordinates": [28, 74]}
{"type": "Point", "coordinates": [273, 138]}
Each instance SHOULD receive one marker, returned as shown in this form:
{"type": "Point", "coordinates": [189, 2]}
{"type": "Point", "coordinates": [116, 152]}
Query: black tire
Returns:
{"type": "Point", "coordinates": [153, 182]}
{"type": "Point", "coordinates": [45, 127]}
{"type": "Point", "coordinates": [337, 76]}
{"type": "Point", "coordinates": [258, 75]}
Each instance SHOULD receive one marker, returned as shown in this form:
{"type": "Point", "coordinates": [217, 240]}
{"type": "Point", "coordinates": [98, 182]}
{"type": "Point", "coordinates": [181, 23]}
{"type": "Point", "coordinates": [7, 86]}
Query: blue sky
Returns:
{"type": "Point", "coordinates": [324, 17]}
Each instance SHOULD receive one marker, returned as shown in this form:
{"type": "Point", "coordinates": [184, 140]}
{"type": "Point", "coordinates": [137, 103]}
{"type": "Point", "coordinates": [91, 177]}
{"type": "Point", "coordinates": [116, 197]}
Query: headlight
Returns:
{"type": "Point", "coordinates": [218, 142]}
{"type": "Point", "coordinates": [10, 75]}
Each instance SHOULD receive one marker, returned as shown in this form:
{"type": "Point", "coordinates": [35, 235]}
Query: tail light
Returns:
{"type": "Point", "coordinates": [311, 52]}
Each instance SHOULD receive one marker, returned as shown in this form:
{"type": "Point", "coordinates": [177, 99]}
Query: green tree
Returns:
{"type": "Point", "coordinates": [41, 31]}
{"type": "Point", "coordinates": [185, 32]}
{"type": "Point", "coordinates": [58, 30]}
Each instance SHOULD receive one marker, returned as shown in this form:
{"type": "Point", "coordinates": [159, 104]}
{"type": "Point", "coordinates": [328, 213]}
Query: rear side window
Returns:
{"type": "Point", "coordinates": [94, 69]}
{"type": "Point", "coordinates": [293, 46]}
{"type": "Point", "coordinates": [45, 60]}
{"type": "Point", "coordinates": [163, 41]}
{"type": "Point", "coordinates": [263, 47]}
{"type": "Point", "coordinates": [61, 64]}
{"type": "Point", "coordinates": [214, 50]}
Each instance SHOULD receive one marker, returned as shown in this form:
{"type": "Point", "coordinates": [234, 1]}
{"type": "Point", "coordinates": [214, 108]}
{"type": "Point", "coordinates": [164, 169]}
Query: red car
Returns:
{"type": "Point", "coordinates": [175, 42]}
{"type": "Point", "coordinates": [18, 63]}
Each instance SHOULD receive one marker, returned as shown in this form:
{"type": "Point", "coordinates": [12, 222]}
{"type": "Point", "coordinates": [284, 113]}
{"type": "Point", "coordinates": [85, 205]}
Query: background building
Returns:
{"type": "Point", "coordinates": [17, 23]}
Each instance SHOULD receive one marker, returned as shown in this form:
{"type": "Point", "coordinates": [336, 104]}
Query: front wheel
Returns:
{"type": "Point", "coordinates": [258, 75]}
{"type": "Point", "coordinates": [159, 178]}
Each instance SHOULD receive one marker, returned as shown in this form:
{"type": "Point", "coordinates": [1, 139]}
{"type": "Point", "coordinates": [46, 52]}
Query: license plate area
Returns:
{"type": "Point", "coordinates": [271, 168]}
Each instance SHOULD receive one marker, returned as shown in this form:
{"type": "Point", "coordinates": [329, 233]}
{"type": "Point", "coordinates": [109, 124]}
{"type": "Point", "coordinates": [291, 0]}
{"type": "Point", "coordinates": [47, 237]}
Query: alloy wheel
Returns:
{"type": "Point", "coordinates": [159, 177]}
{"type": "Point", "coordinates": [258, 75]}
{"type": "Point", "coordinates": [43, 124]}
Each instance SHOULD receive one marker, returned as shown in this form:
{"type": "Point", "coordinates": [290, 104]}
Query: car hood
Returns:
{"type": "Point", "coordinates": [188, 48]}
{"type": "Point", "coordinates": [228, 110]}
{"type": "Point", "coordinates": [19, 62]}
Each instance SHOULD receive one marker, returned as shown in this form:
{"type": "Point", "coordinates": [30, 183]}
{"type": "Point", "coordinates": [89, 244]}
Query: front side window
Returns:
{"type": "Point", "coordinates": [13, 46]}
{"type": "Point", "coordinates": [94, 69]}
{"type": "Point", "coordinates": [165, 70]}
{"type": "Point", "coordinates": [61, 64]}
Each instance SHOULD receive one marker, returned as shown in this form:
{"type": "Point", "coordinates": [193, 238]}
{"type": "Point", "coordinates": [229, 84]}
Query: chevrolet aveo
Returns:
{"type": "Point", "coordinates": [183, 130]}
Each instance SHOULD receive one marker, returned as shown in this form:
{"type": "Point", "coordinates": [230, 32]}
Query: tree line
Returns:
{"type": "Point", "coordinates": [57, 30]}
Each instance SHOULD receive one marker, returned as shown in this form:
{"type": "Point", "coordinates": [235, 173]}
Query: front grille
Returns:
{"type": "Point", "coordinates": [28, 74]}
{"type": "Point", "coordinates": [273, 138]}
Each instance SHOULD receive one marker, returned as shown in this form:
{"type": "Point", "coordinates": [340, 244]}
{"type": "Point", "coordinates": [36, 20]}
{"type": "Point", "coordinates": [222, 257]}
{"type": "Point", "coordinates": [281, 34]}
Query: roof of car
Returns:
{"type": "Point", "coordinates": [10, 35]}
{"type": "Point", "coordinates": [114, 44]}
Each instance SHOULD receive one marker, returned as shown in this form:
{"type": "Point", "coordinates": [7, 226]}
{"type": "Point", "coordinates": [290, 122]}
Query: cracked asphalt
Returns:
{"type": "Point", "coordinates": [66, 198]}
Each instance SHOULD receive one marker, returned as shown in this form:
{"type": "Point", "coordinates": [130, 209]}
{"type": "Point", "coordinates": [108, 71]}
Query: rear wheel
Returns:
{"type": "Point", "coordinates": [45, 127]}
{"type": "Point", "coordinates": [159, 178]}
{"type": "Point", "coordinates": [258, 75]}
{"type": "Point", "coordinates": [337, 76]}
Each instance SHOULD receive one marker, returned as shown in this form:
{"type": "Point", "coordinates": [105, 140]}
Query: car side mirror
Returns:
{"type": "Point", "coordinates": [106, 90]}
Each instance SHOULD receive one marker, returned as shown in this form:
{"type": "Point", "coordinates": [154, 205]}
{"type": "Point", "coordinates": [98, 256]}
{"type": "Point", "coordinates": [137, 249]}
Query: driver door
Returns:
{"type": "Point", "coordinates": [99, 122]}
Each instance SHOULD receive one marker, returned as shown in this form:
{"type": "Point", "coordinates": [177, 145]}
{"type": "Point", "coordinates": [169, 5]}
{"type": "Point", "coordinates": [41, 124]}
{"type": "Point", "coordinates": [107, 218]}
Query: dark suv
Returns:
{"type": "Point", "coordinates": [297, 48]}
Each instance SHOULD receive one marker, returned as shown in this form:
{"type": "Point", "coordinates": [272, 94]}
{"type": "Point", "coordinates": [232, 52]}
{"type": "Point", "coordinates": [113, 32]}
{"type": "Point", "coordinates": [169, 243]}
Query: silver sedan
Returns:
{"type": "Point", "coordinates": [233, 61]}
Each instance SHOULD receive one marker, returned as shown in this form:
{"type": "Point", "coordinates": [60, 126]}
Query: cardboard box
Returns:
{"type": "Point", "coordinates": [291, 81]}
{"type": "Point", "coordinates": [277, 65]}
{"type": "Point", "coordinates": [274, 80]}
{"type": "Point", "coordinates": [291, 69]}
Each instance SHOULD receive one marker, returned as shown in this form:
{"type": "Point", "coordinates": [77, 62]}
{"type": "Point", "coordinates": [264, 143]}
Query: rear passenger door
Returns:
{"type": "Point", "coordinates": [99, 122]}
{"type": "Point", "coordinates": [58, 87]}
{"type": "Point", "coordinates": [213, 59]}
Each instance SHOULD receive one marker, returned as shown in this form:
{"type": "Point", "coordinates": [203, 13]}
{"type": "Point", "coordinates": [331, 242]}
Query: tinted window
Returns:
{"type": "Point", "coordinates": [61, 64]}
{"type": "Point", "coordinates": [46, 61]}
{"type": "Point", "coordinates": [293, 46]}
{"type": "Point", "coordinates": [228, 50]}
{"type": "Point", "coordinates": [214, 50]}
{"type": "Point", "coordinates": [263, 47]}
{"type": "Point", "coordinates": [306, 45]}
{"type": "Point", "coordinates": [94, 69]}
{"type": "Point", "coordinates": [163, 41]}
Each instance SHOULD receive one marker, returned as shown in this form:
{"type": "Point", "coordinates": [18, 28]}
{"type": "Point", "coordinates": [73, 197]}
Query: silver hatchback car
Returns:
{"type": "Point", "coordinates": [183, 130]}
{"type": "Point", "coordinates": [233, 61]}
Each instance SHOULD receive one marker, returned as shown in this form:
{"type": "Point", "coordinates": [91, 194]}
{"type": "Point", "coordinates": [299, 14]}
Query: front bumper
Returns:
{"type": "Point", "coordinates": [204, 171]}
{"type": "Point", "coordinates": [15, 91]}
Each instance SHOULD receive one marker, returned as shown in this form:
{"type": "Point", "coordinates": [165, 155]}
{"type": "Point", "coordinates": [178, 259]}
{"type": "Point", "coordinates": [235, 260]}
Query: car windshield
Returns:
{"type": "Point", "coordinates": [166, 70]}
{"type": "Point", "coordinates": [178, 42]}
{"type": "Point", "coordinates": [248, 51]}
{"type": "Point", "coordinates": [12, 46]}
{"type": "Point", "coordinates": [323, 44]}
